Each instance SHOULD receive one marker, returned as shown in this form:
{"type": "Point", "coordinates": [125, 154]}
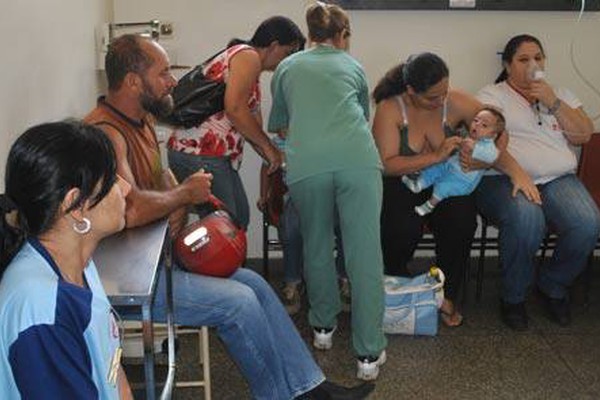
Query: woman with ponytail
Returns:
{"type": "Point", "coordinates": [545, 125]}
{"type": "Point", "coordinates": [320, 97]}
{"type": "Point", "coordinates": [416, 125]}
{"type": "Point", "coordinates": [217, 144]}
{"type": "Point", "coordinates": [58, 336]}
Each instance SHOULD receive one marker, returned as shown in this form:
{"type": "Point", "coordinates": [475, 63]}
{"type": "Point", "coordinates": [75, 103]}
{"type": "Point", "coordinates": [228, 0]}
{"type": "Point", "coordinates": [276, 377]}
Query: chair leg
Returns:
{"type": "Point", "coordinates": [481, 262]}
{"type": "Point", "coordinates": [544, 250]}
{"type": "Point", "coordinates": [205, 363]}
{"type": "Point", "coordinates": [465, 277]}
{"type": "Point", "coordinates": [265, 245]}
{"type": "Point", "coordinates": [588, 279]}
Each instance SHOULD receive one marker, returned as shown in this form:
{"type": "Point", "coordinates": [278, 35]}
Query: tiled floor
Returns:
{"type": "Point", "coordinates": [479, 360]}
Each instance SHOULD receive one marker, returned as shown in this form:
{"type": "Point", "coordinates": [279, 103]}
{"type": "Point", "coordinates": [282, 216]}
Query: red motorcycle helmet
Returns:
{"type": "Point", "coordinates": [214, 245]}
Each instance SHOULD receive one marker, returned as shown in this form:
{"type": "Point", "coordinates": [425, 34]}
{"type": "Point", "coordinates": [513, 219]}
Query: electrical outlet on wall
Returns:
{"type": "Point", "coordinates": [462, 3]}
{"type": "Point", "coordinates": [166, 29]}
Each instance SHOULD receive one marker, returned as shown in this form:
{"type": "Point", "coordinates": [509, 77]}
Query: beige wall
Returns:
{"type": "Point", "coordinates": [467, 40]}
{"type": "Point", "coordinates": [48, 63]}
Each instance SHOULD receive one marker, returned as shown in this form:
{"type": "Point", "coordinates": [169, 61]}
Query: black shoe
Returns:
{"type": "Point", "coordinates": [332, 391]}
{"type": "Point", "coordinates": [558, 309]}
{"type": "Point", "coordinates": [514, 315]}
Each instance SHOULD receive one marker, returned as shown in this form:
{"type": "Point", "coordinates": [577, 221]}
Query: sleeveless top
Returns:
{"type": "Point", "coordinates": [405, 149]}
{"type": "Point", "coordinates": [217, 137]}
{"type": "Point", "coordinates": [143, 154]}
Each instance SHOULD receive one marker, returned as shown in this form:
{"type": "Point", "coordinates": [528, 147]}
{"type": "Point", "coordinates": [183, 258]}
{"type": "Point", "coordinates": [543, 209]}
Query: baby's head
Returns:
{"type": "Point", "coordinates": [488, 123]}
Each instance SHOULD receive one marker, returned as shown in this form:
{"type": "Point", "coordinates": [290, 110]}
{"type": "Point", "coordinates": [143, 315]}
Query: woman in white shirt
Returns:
{"type": "Point", "coordinates": [545, 125]}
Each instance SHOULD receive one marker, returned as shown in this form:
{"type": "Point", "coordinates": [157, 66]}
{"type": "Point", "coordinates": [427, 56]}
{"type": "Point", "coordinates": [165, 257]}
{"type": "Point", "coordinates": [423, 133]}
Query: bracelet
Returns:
{"type": "Point", "coordinates": [555, 106]}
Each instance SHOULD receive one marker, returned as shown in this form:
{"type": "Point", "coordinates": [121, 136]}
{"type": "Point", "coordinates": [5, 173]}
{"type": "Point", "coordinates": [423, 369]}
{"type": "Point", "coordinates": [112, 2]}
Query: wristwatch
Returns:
{"type": "Point", "coordinates": [555, 106]}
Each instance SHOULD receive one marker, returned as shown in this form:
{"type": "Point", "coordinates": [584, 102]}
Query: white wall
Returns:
{"type": "Point", "coordinates": [467, 40]}
{"type": "Point", "coordinates": [48, 63]}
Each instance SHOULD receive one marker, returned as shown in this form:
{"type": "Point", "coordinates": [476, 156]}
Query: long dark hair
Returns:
{"type": "Point", "coordinates": [278, 28]}
{"type": "Point", "coordinates": [45, 163]}
{"type": "Point", "coordinates": [511, 48]}
{"type": "Point", "coordinates": [420, 71]}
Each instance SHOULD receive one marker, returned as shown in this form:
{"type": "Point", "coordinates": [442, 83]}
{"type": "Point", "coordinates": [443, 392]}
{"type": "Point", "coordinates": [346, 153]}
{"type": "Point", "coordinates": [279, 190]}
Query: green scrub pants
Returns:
{"type": "Point", "coordinates": [357, 194]}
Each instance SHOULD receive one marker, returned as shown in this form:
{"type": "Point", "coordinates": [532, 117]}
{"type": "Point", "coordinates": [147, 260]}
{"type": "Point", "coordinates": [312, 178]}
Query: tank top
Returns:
{"type": "Point", "coordinates": [405, 149]}
{"type": "Point", "coordinates": [217, 137]}
{"type": "Point", "coordinates": [143, 154]}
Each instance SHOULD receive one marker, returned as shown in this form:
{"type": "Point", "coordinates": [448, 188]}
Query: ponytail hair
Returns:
{"type": "Point", "coordinates": [420, 71]}
{"type": "Point", "coordinates": [43, 165]}
{"type": "Point", "coordinates": [11, 236]}
{"type": "Point", "coordinates": [325, 21]}
{"type": "Point", "coordinates": [511, 49]}
{"type": "Point", "coordinates": [392, 84]}
{"type": "Point", "coordinates": [275, 29]}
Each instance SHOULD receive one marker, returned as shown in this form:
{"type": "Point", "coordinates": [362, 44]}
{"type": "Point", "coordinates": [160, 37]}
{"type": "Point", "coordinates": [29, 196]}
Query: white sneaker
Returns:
{"type": "Point", "coordinates": [368, 367]}
{"type": "Point", "coordinates": [323, 339]}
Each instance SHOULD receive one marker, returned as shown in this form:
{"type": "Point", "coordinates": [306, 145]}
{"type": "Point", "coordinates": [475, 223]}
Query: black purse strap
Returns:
{"type": "Point", "coordinates": [208, 60]}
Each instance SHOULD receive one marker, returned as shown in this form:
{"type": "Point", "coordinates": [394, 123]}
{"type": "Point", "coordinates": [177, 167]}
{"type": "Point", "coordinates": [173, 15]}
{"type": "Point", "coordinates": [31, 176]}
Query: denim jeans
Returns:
{"type": "Point", "coordinates": [253, 324]}
{"type": "Point", "coordinates": [291, 241]}
{"type": "Point", "coordinates": [226, 184]}
{"type": "Point", "coordinates": [567, 208]}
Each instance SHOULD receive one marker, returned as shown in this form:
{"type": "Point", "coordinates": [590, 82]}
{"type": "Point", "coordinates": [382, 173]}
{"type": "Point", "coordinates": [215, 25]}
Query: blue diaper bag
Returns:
{"type": "Point", "coordinates": [412, 304]}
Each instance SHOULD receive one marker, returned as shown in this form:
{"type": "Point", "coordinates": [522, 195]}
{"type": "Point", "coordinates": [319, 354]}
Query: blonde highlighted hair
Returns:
{"type": "Point", "coordinates": [325, 21]}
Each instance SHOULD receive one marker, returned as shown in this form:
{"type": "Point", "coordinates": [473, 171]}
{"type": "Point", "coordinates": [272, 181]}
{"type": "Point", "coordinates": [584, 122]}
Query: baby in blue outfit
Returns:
{"type": "Point", "coordinates": [448, 178]}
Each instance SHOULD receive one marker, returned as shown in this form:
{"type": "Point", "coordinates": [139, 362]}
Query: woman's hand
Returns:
{"type": "Point", "coordinates": [274, 158]}
{"type": "Point", "coordinates": [466, 154]}
{"type": "Point", "coordinates": [261, 203]}
{"type": "Point", "coordinates": [467, 162]}
{"type": "Point", "coordinates": [447, 147]}
{"type": "Point", "coordinates": [522, 182]}
{"type": "Point", "coordinates": [576, 125]}
{"type": "Point", "coordinates": [543, 92]}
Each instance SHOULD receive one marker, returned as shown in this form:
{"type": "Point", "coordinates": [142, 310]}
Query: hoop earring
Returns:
{"type": "Point", "coordinates": [82, 227]}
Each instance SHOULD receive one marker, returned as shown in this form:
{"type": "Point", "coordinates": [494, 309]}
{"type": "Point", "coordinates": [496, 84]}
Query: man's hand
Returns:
{"type": "Point", "coordinates": [177, 221]}
{"type": "Point", "coordinates": [198, 186]}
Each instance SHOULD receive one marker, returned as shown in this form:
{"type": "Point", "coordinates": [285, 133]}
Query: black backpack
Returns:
{"type": "Point", "coordinates": [196, 98]}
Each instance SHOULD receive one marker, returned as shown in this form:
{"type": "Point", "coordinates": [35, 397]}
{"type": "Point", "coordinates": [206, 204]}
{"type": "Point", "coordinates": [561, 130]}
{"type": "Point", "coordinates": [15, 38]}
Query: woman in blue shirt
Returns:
{"type": "Point", "coordinates": [58, 337]}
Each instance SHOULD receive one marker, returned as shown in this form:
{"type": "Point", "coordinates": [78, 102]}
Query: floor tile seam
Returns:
{"type": "Point", "coordinates": [564, 361]}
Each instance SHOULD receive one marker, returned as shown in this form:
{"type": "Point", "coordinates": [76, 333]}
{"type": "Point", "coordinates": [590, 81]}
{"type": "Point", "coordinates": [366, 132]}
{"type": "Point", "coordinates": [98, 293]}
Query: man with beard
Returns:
{"type": "Point", "coordinates": [245, 311]}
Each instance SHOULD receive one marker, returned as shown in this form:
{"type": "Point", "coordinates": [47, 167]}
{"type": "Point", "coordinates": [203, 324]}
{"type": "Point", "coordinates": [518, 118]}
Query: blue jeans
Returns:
{"type": "Point", "coordinates": [291, 241]}
{"type": "Point", "coordinates": [226, 184]}
{"type": "Point", "coordinates": [567, 208]}
{"type": "Point", "coordinates": [253, 324]}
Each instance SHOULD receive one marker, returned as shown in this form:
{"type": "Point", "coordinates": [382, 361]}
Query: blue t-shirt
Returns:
{"type": "Point", "coordinates": [57, 339]}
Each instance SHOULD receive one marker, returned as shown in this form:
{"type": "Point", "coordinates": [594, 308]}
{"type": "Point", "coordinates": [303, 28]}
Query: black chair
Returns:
{"type": "Point", "coordinates": [268, 244]}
